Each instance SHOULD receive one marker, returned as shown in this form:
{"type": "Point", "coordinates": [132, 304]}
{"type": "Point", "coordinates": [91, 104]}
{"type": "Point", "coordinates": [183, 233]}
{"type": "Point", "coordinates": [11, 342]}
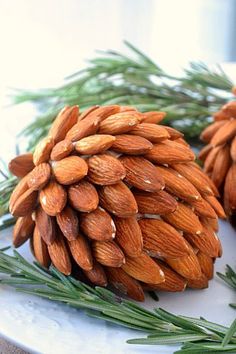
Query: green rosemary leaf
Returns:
{"type": "Point", "coordinates": [229, 334]}
{"type": "Point", "coordinates": [169, 339]}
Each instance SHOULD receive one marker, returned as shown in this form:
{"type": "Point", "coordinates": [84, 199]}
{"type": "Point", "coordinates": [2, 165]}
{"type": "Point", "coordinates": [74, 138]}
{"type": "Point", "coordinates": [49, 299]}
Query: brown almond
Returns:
{"type": "Point", "coordinates": [142, 174]}
{"type": "Point", "coordinates": [131, 144]}
{"type": "Point", "coordinates": [108, 253]}
{"type": "Point", "coordinates": [105, 169]}
{"type": "Point", "coordinates": [129, 236]}
{"type": "Point", "coordinates": [208, 133]}
{"type": "Point", "coordinates": [43, 150]}
{"type": "Point", "coordinates": [200, 283]}
{"type": "Point", "coordinates": [94, 144]}
{"type": "Point", "coordinates": [155, 203]}
{"type": "Point", "coordinates": [153, 117]}
{"type": "Point", "coordinates": [173, 281]}
{"type": "Point", "coordinates": [195, 176]}
{"type": "Point", "coordinates": [183, 218]}
{"type": "Point", "coordinates": [70, 170]}
{"type": "Point", "coordinates": [20, 189]}
{"type": "Point", "coordinates": [125, 283]}
{"type": "Point", "coordinates": [162, 240]}
{"type": "Point", "coordinates": [221, 166]}
{"type": "Point", "coordinates": [204, 152]}
{"type": "Point", "coordinates": [23, 230]}
{"type": "Point", "coordinates": [102, 112]}
{"type": "Point", "coordinates": [224, 134]}
{"type": "Point", "coordinates": [127, 109]}
{"type": "Point", "coordinates": [96, 275]}
{"type": "Point", "coordinates": [229, 187]}
{"type": "Point", "coordinates": [206, 264]}
{"type": "Point", "coordinates": [21, 165]}
{"type": "Point", "coordinates": [64, 121]}
{"type": "Point", "coordinates": [178, 185]}
{"type": "Point", "coordinates": [212, 223]}
{"type": "Point", "coordinates": [203, 208]}
{"type": "Point", "coordinates": [169, 152]}
{"type": "Point", "coordinates": [87, 112]}
{"type": "Point", "coordinates": [144, 268]}
{"type": "Point", "coordinates": [68, 223]}
{"type": "Point", "coordinates": [53, 198]}
{"type": "Point", "coordinates": [61, 150]}
{"type": "Point", "coordinates": [233, 149]}
{"type": "Point", "coordinates": [181, 141]}
{"type": "Point", "coordinates": [39, 176]}
{"type": "Point", "coordinates": [119, 123]}
{"type": "Point", "coordinates": [210, 159]}
{"type": "Point", "coordinates": [25, 204]}
{"type": "Point", "coordinates": [45, 225]}
{"type": "Point", "coordinates": [40, 249]}
{"type": "Point", "coordinates": [221, 115]}
{"type": "Point", "coordinates": [118, 200]}
{"type": "Point", "coordinates": [83, 196]}
{"type": "Point", "coordinates": [173, 133]}
{"type": "Point", "coordinates": [215, 204]}
{"type": "Point", "coordinates": [188, 267]}
{"type": "Point", "coordinates": [230, 108]}
{"type": "Point", "coordinates": [98, 225]}
{"type": "Point", "coordinates": [151, 132]}
{"type": "Point", "coordinates": [59, 255]}
{"type": "Point", "coordinates": [81, 252]}
{"type": "Point", "coordinates": [83, 128]}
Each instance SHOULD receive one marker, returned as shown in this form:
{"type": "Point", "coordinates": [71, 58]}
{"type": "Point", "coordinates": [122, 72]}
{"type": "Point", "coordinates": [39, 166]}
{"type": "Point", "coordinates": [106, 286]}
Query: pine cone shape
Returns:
{"type": "Point", "coordinates": [115, 199]}
{"type": "Point", "coordinates": [219, 155]}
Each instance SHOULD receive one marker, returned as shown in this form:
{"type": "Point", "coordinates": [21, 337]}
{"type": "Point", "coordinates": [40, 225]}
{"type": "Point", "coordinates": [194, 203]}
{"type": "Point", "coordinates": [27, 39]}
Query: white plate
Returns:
{"type": "Point", "coordinates": [47, 327]}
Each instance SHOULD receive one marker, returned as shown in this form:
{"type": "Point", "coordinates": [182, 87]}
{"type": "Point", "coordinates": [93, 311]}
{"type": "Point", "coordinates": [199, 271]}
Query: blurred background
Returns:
{"type": "Point", "coordinates": [44, 41]}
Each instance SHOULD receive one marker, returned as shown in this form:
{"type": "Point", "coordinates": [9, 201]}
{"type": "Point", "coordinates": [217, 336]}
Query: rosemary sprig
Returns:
{"type": "Point", "coordinates": [230, 278]}
{"type": "Point", "coordinates": [161, 327]}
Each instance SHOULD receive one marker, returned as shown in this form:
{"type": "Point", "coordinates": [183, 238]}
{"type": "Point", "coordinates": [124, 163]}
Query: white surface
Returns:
{"type": "Point", "coordinates": [47, 327]}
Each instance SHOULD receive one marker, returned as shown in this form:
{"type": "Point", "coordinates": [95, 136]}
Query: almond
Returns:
{"type": "Point", "coordinates": [53, 198]}
{"type": "Point", "coordinates": [43, 150]}
{"type": "Point", "coordinates": [162, 240]}
{"type": "Point", "coordinates": [204, 152]}
{"type": "Point", "coordinates": [61, 150]}
{"type": "Point", "coordinates": [208, 133]}
{"type": "Point", "coordinates": [65, 120]}
{"type": "Point", "coordinates": [96, 275]}
{"type": "Point", "coordinates": [23, 230]}
{"type": "Point", "coordinates": [139, 268]}
{"type": "Point", "coordinates": [153, 117]}
{"type": "Point", "coordinates": [20, 189]}
{"type": "Point", "coordinates": [169, 152]}
{"type": "Point", "coordinates": [173, 133]}
{"type": "Point", "coordinates": [118, 200]}
{"type": "Point", "coordinates": [119, 123]}
{"type": "Point", "coordinates": [59, 255]}
{"type": "Point", "coordinates": [129, 236]}
{"type": "Point", "coordinates": [45, 225]}
{"type": "Point", "coordinates": [127, 109]}
{"type": "Point", "coordinates": [181, 141]}
{"type": "Point", "coordinates": [221, 115]}
{"type": "Point", "coordinates": [68, 223]}
{"type": "Point", "coordinates": [101, 113]}
{"type": "Point", "coordinates": [224, 134]}
{"type": "Point", "coordinates": [82, 129]}
{"type": "Point", "coordinates": [212, 223]}
{"type": "Point", "coordinates": [83, 196]}
{"type": "Point", "coordinates": [105, 169]}
{"type": "Point", "coordinates": [230, 108]}
{"type": "Point", "coordinates": [87, 112]}
{"type": "Point", "coordinates": [210, 159]}
{"type": "Point", "coordinates": [108, 253]}
{"type": "Point", "coordinates": [131, 144]}
{"type": "Point", "coordinates": [81, 252]}
{"type": "Point", "coordinates": [206, 264]}
{"type": "Point", "coordinates": [70, 170]}
{"type": "Point", "coordinates": [39, 176]}
{"type": "Point", "coordinates": [125, 283]}
{"type": "Point", "coordinates": [25, 203]}
{"type": "Point", "coordinates": [94, 144]}
{"type": "Point", "coordinates": [178, 185]}
{"type": "Point", "coordinates": [21, 165]}
{"type": "Point", "coordinates": [188, 267]}
{"type": "Point", "coordinates": [196, 177]}
{"type": "Point", "coordinates": [142, 174]}
{"type": "Point", "coordinates": [155, 203]}
{"type": "Point", "coordinates": [151, 132]}
{"type": "Point", "coordinates": [203, 208]}
{"type": "Point", "coordinates": [183, 218]}
{"type": "Point", "coordinates": [173, 281]}
{"type": "Point", "coordinates": [98, 225]}
{"type": "Point", "coordinates": [215, 204]}
{"type": "Point", "coordinates": [40, 249]}
{"type": "Point", "coordinates": [200, 283]}
{"type": "Point", "coordinates": [221, 166]}
{"type": "Point", "coordinates": [229, 188]}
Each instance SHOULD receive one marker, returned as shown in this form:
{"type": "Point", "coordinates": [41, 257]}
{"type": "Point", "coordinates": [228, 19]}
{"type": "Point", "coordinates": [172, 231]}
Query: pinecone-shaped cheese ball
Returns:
{"type": "Point", "coordinates": [114, 196]}
{"type": "Point", "coordinates": [219, 155]}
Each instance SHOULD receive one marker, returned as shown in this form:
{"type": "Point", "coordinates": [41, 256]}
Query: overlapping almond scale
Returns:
{"type": "Point", "coordinates": [224, 134]}
{"type": "Point", "coordinates": [233, 149]}
{"type": "Point", "coordinates": [200, 283]}
{"type": "Point", "coordinates": [43, 150]}
{"type": "Point", "coordinates": [20, 189]}
{"type": "Point", "coordinates": [204, 152]}
{"type": "Point", "coordinates": [21, 165]}
{"type": "Point", "coordinates": [153, 117]}
{"type": "Point", "coordinates": [162, 240]}
{"type": "Point", "coordinates": [40, 249]}
{"type": "Point", "coordinates": [203, 208]}
{"type": "Point", "coordinates": [142, 174]}
{"type": "Point", "coordinates": [151, 132]}
{"type": "Point", "coordinates": [208, 133]}
{"type": "Point", "coordinates": [23, 230]}
{"type": "Point", "coordinates": [230, 190]}
{"type": "Point", "coordinates": [221, 166]}
{"type": "Point", "coordinates": [213, 223]}
{"type": "Point", "coordinates": [129, 236]}
{"type": "Point", "coordinates": [83, 196]}
{"type": "Point", "coordinates": [119, 123]}
{"type": "Point", "coordinates": [96, 275]}
{"type": "Point", "coordinates": [70, 170]}
{"type": "Point", "coordinates": [230, 109]}
{"type": "Point", "coordinates": [173, 133]}
{"type": "Point", "coordinates": [68, 222]}
{"type": "Point", "coordinates": [53, 198]}
{"type": "Point", "coordinates": [215, 204]}
{"type": "Point", "coordinates": [131, 144]}
{"type": "Point", "coordinates": [39, 176]}
{"type": "Point", "coordinates": [87, 111]}
{"type": "Point", "coordinates": [221, 115]}
{"type": "Point", "coordinates": [59, 254]}
{"type": "Point", "coordinates": [158, 203]}
{"type": "Point", "coordinates": [61, 150]}
{"type": "Point", "coordinates": [81, 252]}
{"type": "Point", "coordinates": [210, 159]}
{"type": "Point", "coordinates": [46, 225]}
{"type": "Point", "coordinates": [108, 253]}
{"type": "Point", "coordinates": [206, 264]}
{"type": "Point", "coordinates": [94, 144]}
{"type": "Point", "coordinates": [173, 281]}
{"type": "Point", "coordinates": [25, 203]}
{"type": "Point", "coordinates": [125, 283]}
